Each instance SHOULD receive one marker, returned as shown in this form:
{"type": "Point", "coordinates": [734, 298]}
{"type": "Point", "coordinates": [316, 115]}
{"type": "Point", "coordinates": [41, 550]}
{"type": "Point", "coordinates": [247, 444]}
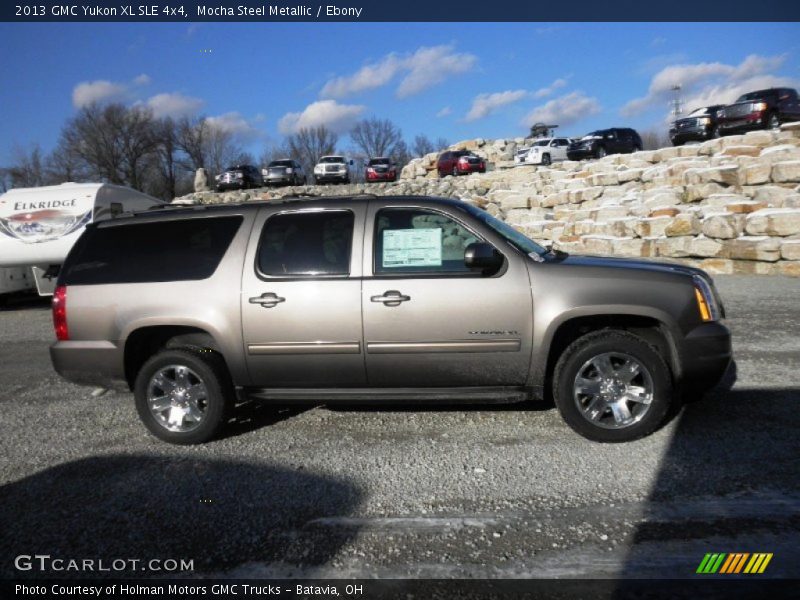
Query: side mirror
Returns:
{"type": "Point", "coordinates": [480, 255]}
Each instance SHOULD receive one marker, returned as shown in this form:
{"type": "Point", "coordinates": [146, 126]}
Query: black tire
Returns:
{"type": "Point", "coordinates": [600, 152]}
{"type": "Point", "coordinates": [716, 132]}
{"type": "Point", "coordinates": [677, 143]}
{"type": "Point", "coordinates": [455, 171]}
{"type": "Point", "coordinates": [546, 160]}
{"type": "Point", "coordinates": [210, 369]}
{"type": "Point", "coordinates": [773, 121]}
{"type": "Point", "coordinates": [572, 362]}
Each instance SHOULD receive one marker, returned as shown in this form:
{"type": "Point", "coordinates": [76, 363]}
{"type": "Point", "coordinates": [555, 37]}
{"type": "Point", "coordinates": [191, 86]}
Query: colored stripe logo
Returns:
{"type": "Point", "coordinates": [734, 563]}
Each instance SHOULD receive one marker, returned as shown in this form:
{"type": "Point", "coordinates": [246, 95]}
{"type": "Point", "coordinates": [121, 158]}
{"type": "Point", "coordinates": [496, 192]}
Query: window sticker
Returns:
{"type": "Point", "coordinates": [412, 248]}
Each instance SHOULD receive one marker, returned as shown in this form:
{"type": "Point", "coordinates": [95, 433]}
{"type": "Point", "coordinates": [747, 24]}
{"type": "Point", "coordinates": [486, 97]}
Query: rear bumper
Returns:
{"type": "Point", "coordinates": [380, 177]}
{"type": "Point", "coordinates": [97, 363]}
{"type": "Point", "coordinates": [706, 354]}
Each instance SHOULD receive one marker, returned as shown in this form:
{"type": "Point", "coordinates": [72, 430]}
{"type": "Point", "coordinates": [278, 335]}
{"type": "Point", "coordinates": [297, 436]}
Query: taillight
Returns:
{"type": "Point", "coordinates": [60, 313]}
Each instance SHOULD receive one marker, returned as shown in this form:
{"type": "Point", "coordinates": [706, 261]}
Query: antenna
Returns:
{"type": "Point", "coordinates": [677, 103]}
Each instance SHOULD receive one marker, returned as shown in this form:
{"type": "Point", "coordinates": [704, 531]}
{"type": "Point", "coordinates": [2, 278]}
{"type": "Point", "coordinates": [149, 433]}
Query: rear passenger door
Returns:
{"type": "Point", "coordinates": [301, 297]}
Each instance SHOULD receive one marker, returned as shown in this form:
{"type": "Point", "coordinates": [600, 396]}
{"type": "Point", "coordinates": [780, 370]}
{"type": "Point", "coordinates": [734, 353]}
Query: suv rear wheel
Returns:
{"type": "Point", "coordinates": [773, 121]}
{"type": "Point", "coordinates": [600, 152]}
{"type": "Point", "coordinates": [612, 386]}
{"type": "Point", "coordinates": [184, 396]}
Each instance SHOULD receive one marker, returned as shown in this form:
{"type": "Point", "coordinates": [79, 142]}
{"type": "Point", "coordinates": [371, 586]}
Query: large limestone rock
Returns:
{"type": "Point", "coordinates": [201, 181]}
{"type": "Point", "coordinates": [721, 226]}
{"type": "Point", "coordinates": [774, 221]}
{"type": "Point", "coordinates": [788, 171]}
{"type": "Point", "coordinates": [683, 224]}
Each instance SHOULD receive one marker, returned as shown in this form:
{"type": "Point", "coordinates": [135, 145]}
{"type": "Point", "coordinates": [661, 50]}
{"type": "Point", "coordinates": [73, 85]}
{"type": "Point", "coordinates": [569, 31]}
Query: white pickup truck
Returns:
{"type": "Point", "coordinates": [543, 152]}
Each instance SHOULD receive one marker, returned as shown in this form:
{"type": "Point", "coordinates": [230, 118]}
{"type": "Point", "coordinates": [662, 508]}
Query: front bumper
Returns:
{"type": "Point", "coordinates": [756, 120]}
{"type": "Point", "coordinates": [463, 170]}
{"type": "Point", "coordinates": [233, 185]}
{"type": "Point", "coordinates": [689, 134]}
{"type": "Point", "coordinates": [95, 363]}
{"type": "Point", "coordinates": [380, 177]}
{"type": "Point", "coordinates": [328, 177]}
{"type": "Point", "coordinates": [279, 180]}
{"type": "Point", "coordinates": [706, 353]}
{"type": "Point", "coordinates": [580, 153]}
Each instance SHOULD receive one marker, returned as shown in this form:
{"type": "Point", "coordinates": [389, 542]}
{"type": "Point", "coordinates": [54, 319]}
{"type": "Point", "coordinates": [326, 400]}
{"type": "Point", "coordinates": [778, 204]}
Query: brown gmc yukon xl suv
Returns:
{"type": "Point", "coordinates": [382, 299]}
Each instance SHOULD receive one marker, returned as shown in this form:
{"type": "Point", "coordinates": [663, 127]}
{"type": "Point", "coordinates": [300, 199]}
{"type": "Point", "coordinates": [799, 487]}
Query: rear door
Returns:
{"type": "Point", "coordinates": [301, 296]}
{"type": "Point", "coordinates": [428, 320]}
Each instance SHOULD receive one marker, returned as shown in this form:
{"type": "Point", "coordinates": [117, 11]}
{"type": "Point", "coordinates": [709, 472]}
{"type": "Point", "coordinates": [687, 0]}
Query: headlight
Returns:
{"type": "Point", "coordinates": [706, 300]}
{"type": "Point", "coordinates": [759, 106]}
{"type": "Point", "coordinates": [704, 121]}
{"type": "Point", "coordinates": [318, 169]}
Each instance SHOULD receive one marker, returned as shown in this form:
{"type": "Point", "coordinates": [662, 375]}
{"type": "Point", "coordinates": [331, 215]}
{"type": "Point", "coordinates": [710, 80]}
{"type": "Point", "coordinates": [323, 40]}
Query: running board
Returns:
{"type": "Point", "coordinates": [461, 395]}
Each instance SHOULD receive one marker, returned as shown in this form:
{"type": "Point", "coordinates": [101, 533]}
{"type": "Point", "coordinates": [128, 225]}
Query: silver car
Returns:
{"type": "Point", "coordinates": [384, 299]}
{"type": "Point", "coordinates": [285, 171]}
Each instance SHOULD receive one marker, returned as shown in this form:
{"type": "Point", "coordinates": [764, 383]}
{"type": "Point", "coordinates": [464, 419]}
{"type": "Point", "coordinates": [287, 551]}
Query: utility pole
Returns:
{"type": "Point", "coordinates": [676, 101]}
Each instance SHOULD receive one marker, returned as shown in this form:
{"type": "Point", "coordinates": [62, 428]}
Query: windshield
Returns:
{"type": "Point", "coordinates": [332, 159]}
{"type": "Point", "coordinates": [593, 134]}
{"type": "Point", "coordinates": [280, 163]}
{"type": "Point", "coordinates": [511, 235]}
{"type": "Point", "coordinates": [699, 112]}
{"type": "Point", "coordinates": [542, 143]}
{"type": "Point", "coordinates": [756, 95]}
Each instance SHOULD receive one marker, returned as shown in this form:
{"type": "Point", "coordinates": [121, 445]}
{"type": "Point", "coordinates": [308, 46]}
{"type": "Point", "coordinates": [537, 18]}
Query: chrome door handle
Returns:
{"type": "Point", "coordinates": [267, 300]}
{"type": "Point", "coordinates": [391, 298]}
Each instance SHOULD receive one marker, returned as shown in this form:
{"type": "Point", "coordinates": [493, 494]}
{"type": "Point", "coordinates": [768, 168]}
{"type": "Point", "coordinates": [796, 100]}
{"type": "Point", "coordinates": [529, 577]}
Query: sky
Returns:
{"type": "Point", "coordinates": [458, 81]}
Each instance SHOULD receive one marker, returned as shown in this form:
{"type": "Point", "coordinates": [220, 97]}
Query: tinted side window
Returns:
{"type": "Point", "coordinates": [411, 240]}
{"type": "Point", "coordinates": [310, 243]}
{"type": "Point", "coordinates": [180, 250]}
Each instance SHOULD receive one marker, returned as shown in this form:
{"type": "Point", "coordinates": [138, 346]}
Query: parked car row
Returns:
{"type": "Point", "coordinates": [762, 109]}
{"type": "Point", "coordinates": [287, 171]}
{"type": "Point", "coordinates": [597, 144]}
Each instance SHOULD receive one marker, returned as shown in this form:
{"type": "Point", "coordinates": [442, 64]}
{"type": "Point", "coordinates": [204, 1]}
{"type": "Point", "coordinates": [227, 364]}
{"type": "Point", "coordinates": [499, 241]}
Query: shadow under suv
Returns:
{"type": "Point", "coordinates": [404, 298]}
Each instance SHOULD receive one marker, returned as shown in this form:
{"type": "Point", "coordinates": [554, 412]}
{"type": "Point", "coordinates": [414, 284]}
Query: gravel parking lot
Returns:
{"type": "Point", "coordinates": [479, 491]}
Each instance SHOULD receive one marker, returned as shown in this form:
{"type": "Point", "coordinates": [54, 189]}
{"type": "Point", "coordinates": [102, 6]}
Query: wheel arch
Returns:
{"type": "Point", "coordinates": [145, 341]}
{"type": "Point", "coordinates": [656, 328]}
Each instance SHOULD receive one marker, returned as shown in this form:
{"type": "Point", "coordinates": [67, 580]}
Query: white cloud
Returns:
{"type": "Point", "coordinates": [143, 79]}
{"type": "Point", "coordinates": [336, 117]}
{"type": "Point", "coordinates": [235, 124]}
{"type": "Point", "coordinates": [546, 91]}
{"type": "Point", "coordinates": [708, 83]}
{"type": "Point", "coordinates": [424, 68]}
{"type": "Point", "coordinates": [564, 110]}
{"type": "Point", "coordinates": [89, 92]}
{"type": "Point", "coordinates": [174, 105]}
{"type": "Point", "coordinates": [445, 112]}
{"type": "Point", "coordinates": [485, 104]}
{"type": "Point", "coordinates": [366, 78]}
{"type": "Point", "coordinates": [431, 66]}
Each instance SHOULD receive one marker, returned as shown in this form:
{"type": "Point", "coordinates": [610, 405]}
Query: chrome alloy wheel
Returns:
{"type": "Point", "coordinates": [613, 390]}
{"type": "Point", "coordinates": [177, 398]}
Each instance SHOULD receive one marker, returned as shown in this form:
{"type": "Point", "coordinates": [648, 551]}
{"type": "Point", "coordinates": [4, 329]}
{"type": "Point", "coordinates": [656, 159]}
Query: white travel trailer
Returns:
{"type": "Point", "coordinates": [38, 226]}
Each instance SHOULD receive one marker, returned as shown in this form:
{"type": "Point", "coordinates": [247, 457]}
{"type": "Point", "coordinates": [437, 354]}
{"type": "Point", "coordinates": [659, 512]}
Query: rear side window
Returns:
{"type": "Point", "coordinates": [180, 250]}
{"type": "Point", "coordinates": [306, 244]}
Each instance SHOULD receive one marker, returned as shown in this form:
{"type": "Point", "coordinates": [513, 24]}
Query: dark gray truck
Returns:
{"type": "Point", "coordinates": [381, 299]}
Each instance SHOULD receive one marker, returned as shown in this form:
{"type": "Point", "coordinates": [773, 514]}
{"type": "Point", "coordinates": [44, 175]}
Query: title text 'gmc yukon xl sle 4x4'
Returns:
{"type": "Point", "coordinates": [382, 299]}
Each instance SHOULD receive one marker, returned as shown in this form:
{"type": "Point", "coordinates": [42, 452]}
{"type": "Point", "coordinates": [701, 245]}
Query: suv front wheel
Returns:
{"type": "Point", "coordinates": [612, 386]}
{"type": "Point", "coordinates": [184, 396]}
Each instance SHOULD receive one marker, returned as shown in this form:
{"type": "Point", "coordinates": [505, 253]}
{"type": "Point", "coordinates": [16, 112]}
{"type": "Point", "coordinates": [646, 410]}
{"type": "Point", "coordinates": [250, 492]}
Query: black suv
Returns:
{"type": "Point", "coordinates": [699, 125]}
{"type": "Point", "coordinates": [597, 144]}
{"type": "Point", "coordinates": [764, 109]}
{"type": "Point", "coordinates": [239, 177]}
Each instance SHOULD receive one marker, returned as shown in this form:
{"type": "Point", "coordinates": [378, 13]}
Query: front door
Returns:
{"type": "Point", "coordinates": [301, 297]}
{"type": "Point", "coordinates": [429, 320]}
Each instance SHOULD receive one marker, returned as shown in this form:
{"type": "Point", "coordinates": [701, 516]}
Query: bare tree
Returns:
{"type": "Point", "coordinates": [27, 168]}
{"type": "Point", "coordinates": [376, 137]}
{"type": "Point", "coordinates": [64, 164]}
{"type": "Point", "coordinates": [206, 145]}
{"type": "Point", "coordinates": [114, 141]}
{"type": "Point", "coordinates": [653, 139]}
{"type": "Point", "coordinates": [423, 145]}
{"type": "Point", "coordinates": [308, 144]}
{"type": "Point", "coordinates": [275, 152]}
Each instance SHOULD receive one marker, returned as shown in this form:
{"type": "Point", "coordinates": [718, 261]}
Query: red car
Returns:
{"type": "Point", "coordinates": [380, 169]}
{"type": "Point", "coordinates": [459, 162]}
